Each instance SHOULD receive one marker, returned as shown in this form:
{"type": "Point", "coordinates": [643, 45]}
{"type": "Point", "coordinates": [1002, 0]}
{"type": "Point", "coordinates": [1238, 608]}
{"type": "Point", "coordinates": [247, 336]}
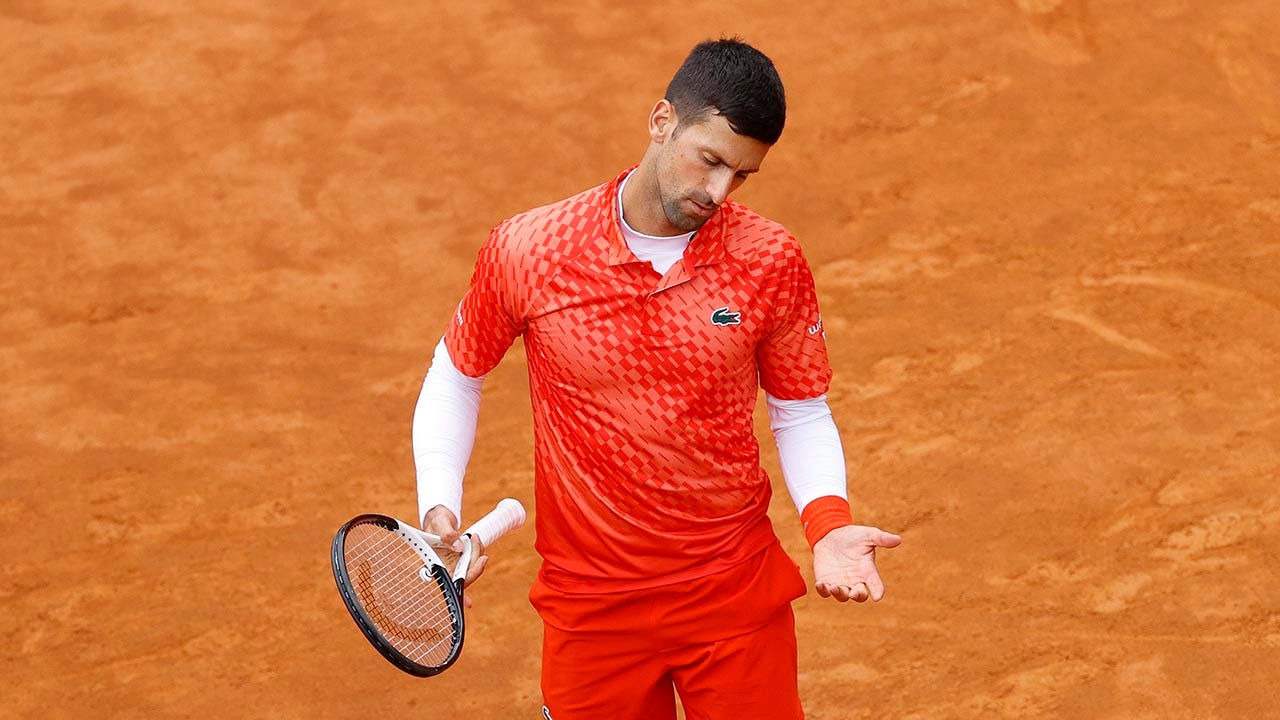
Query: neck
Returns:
{"type": "Point", "coordinates": [642, 203]}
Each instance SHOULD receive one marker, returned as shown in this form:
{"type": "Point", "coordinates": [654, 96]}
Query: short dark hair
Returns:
{"type": "Point", "coordinates": [733, 79]}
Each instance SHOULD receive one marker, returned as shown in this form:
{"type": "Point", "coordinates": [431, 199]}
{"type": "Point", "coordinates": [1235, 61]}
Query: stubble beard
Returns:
{"type": "Point", "coordinates": [678, 217]}
{"type": "Point", "coordinates": [671, 202]}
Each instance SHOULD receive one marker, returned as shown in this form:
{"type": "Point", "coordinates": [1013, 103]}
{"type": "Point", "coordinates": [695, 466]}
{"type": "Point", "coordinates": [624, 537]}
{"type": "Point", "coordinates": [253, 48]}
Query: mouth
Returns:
{"type": "Point", "coordinates": [701, 210]}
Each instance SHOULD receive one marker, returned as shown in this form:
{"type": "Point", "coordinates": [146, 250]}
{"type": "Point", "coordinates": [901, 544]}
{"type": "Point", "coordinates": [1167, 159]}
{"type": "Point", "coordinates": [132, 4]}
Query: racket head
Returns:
{"type": "Point", "coordinates": [402, 598]}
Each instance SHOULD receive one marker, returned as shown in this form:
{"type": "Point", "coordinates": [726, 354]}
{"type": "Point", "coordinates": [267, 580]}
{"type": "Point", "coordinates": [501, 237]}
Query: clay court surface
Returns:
{"type": "Point", "coordinates": [1046, 235]}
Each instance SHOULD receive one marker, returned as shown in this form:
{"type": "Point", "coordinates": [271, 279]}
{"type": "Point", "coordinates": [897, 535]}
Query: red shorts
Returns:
{"type": "Point", "coordinates": [726, 643]}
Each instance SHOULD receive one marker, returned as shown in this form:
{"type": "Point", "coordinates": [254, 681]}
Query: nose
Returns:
{"type": "Point", "coordinates": [719, 185]}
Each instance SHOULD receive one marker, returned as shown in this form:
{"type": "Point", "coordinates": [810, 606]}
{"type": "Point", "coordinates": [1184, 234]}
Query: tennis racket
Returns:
{"type": "Point", "coordinates": [405, 599]}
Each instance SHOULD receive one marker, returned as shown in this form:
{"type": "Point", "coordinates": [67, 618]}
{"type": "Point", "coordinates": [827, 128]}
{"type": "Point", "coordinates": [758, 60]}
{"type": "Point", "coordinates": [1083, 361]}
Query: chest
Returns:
{"type": "Point", "coordinates": [607, 325]}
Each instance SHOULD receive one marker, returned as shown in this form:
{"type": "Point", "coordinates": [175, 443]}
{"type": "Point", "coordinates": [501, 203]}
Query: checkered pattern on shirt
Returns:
{"type": "Point", "coordinates": [647, 467]}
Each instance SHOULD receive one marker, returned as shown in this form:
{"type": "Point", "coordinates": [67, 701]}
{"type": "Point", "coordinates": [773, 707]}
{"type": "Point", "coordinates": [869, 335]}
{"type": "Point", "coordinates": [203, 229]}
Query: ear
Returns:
{"type": "Point", "coordinates": [662, 121]}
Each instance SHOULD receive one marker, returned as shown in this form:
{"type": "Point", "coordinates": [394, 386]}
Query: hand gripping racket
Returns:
{"type": "Point", "coordinates": [399, 591]}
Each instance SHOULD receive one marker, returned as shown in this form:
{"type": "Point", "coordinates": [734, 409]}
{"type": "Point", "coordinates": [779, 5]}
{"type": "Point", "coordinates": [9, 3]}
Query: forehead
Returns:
{"type": "Point", "coordinates": [714, 133]}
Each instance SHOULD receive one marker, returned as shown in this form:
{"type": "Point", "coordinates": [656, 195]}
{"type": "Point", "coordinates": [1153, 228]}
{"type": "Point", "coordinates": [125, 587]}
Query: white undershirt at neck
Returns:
{"type": "Point", "coordinates": [660, 252]}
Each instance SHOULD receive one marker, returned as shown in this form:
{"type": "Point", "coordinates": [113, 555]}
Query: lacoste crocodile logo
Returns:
{"type": "Point", "coordinates": [722, 316]}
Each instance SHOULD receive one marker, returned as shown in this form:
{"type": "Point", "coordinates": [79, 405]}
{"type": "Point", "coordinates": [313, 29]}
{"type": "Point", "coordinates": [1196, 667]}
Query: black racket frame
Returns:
{"type": "Point", "coordinates": [366, 624]}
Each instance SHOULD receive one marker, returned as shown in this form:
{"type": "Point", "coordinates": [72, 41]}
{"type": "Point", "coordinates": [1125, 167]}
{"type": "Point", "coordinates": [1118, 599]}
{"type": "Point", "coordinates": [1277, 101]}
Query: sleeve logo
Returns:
{"type": "Point", "coordinates": [816, 328]}
{"type": "Point", "coordinates": [722, 316]}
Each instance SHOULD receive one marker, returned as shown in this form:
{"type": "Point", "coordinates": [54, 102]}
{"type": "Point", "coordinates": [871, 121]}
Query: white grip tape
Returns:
{"type": "Point", "coordinates": [507, 516]}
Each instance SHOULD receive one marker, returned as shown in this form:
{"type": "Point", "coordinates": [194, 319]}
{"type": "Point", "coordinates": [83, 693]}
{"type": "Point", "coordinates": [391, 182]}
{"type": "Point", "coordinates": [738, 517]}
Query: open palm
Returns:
{"type": "Point", "coordinates": [844, 563]}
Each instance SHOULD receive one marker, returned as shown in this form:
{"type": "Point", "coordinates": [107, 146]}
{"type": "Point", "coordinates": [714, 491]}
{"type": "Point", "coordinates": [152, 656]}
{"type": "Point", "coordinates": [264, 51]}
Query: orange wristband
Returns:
{"type": "Point", "coordinates": [823, 515]}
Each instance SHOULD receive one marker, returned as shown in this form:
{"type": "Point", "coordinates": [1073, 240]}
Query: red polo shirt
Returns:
{"type": "Point", "coordinates": [643, 386]}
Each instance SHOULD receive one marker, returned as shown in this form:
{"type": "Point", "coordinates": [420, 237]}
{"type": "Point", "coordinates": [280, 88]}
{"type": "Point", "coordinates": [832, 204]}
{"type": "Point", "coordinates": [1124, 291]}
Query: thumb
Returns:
{"type": "Point", "coordinates": [441, 521]}
{"type": "Point", "coordinates": [886, 539]}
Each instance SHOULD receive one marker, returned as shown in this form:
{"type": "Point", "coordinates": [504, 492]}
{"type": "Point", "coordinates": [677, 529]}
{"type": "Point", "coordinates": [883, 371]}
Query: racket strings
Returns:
{"type": "Point", "coordinates": [390, 587]}
{"type": "Point", "coordinates": [411, 612]}
{"type": "Point", "coordinates": [392, 581]}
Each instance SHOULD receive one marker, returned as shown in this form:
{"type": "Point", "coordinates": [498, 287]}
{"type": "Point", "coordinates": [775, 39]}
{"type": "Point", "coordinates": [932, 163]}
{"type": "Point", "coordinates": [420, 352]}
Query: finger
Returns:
{"type": "Point", "coordinates": [830, 590]}
{"type": "Point", "coordinates": [859, 593]}
{"type": "Point", "coordinates": [441, 527]}
{"type": "Point", "coordinates": [441, 516]}
{"type": "Point", "coordinates": [476, 570]}
{"type": "Point", "coordinates": [876, 586]}
{"type": "Point", "coordinates": [466, 600]}
{"type": "Point", "coordinates": [886, 539]}
{"type": "Point", "coordinates": [441, 521]}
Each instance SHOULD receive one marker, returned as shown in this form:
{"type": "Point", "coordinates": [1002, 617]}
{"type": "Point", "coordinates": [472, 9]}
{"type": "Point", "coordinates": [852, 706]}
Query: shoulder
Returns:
{"type": "Point", "coordinates": [552, 230]}
{"type": "Point", "coordinates": [758, 240]}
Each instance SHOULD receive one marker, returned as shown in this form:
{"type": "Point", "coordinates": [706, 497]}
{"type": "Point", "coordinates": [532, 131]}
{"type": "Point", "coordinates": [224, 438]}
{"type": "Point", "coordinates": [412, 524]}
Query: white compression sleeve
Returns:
{"type": "Point", "coordinates": [444, 431]}
{"type": "Point", "coordinates": [809, 448]}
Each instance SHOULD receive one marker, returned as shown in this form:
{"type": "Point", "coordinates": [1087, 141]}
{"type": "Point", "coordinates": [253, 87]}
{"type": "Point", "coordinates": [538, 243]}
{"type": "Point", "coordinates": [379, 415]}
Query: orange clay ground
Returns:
{"type": "Point", "coordinates": [1046, 235]}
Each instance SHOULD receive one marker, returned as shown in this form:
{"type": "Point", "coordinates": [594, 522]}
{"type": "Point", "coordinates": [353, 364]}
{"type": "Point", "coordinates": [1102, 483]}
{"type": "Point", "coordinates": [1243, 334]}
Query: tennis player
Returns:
{"type": "Point", "coordinates": [653, 308]}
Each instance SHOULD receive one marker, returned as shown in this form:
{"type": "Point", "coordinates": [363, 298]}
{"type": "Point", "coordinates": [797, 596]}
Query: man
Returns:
{"type": "Point", "coordinates": [652, 310]}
